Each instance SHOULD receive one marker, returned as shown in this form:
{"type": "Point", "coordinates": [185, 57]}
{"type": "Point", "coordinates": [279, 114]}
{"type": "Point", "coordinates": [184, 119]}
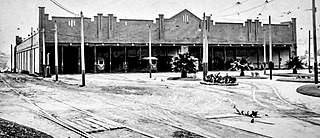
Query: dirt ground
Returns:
{"type": "Point", "coordinates": [161, 107]}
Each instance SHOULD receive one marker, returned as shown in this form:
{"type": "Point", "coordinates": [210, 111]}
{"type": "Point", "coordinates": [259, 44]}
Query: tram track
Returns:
{"type": "Point", "coordinates": [77, 128]}
{"type": "Point", "coordinates": [296, 111]}
{"type": "Point", "coordinates": [84, 127]}
{"type": "Point", "coordinates": [173, 118]}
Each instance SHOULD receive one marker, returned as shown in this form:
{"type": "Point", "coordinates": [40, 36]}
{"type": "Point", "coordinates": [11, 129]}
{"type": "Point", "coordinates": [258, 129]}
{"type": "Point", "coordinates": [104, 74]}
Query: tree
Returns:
{"type": "Point", "coordinates": [184, 63]}
{"type": "Point", "coordinates": [294, 64]}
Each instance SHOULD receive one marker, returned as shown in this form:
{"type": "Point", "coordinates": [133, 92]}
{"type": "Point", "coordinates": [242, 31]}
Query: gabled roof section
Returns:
{"type": "Point", "coordinates": [185, 10]}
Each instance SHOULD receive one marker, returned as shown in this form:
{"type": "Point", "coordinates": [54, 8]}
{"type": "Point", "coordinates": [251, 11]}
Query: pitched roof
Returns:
{"type": "Point", "coordinates": [185, 10]}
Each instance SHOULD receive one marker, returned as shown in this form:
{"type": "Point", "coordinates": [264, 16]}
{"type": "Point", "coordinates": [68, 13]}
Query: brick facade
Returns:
{"type": "Point", "coordinates": [127, 39]}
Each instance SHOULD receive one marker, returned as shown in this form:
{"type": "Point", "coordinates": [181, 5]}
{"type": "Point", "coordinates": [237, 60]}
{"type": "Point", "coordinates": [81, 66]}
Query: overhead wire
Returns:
{"type": "Point", "coordinates": [238, 13]}
{"type": "Point", "coordinates": [62, 7]}
{"type": "Point", "coordinates": [237, 3]}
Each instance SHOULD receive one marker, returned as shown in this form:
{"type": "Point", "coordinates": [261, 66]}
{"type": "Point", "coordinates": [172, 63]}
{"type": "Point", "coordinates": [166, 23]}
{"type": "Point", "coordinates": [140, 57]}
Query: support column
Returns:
{"type": "Point", "coordinates": [110, 62]}
{"type": "Point", "coordinates": [95, 59]}
{"type": "Point", "coordinates": [279, 53]}
{"type": "Point", "coordinates": [125, 59]}
{"type": "Point", "coordinates": [79, 60]}
{"type": "Point", "coordinates": [224, 57]}
{"type": "Point", "coordinates": [235, 53]}
{"type": "Point", "coordinates": [258, 63]}
{"type": "Point", "coordinates": [62, 60]}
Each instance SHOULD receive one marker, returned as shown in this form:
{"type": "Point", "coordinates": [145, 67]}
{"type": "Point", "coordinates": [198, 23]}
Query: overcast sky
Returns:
{"type": "Point", "coordinates": [23, 14]}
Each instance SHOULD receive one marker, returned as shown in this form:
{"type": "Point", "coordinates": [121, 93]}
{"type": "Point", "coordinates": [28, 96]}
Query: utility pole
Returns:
{"type": "Point", "coordinates": [315, 42]}
{"type": "Point", "coordinates": [309, 51]}
{"type": "Point", "coordinates": [264, 52]}
{"type": "Point", "coordinates": [56, 49]}
{"type": "Point", "coordinates": [82, 51]}
{"type": "Point", "coordinates": [150, 63]}
{"type": "Point", "coordinates": [271, 64]}
{"type": "Point", "coordinates": [15, 59]}
{"type": "Point", "coordinates": [11, 58]}
{"type": "Point", "coordinates": [44, 55]}
{"type": "Point", "coordinates": [31, 65]}
{"type": "Point", "coordinates": [205, 47]}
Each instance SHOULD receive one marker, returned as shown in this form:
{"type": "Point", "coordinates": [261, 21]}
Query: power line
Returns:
{"type": "Point", "coordinates": [62, 7]}
{"type": "Point", "coordinates": [237, 3]}
{"type": "Point", "coordinates": [238, 13]}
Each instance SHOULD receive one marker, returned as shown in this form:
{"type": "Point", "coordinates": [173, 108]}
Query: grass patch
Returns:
{"type": "Point", "coordinates": [310, 89]}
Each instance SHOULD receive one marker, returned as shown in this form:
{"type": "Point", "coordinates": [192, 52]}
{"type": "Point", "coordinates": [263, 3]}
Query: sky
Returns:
{"type": "Point", "coordinates": [23, 14]}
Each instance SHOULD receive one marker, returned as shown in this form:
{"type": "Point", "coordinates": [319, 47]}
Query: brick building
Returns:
{"type": "Point", "coordinates": [124, 42]}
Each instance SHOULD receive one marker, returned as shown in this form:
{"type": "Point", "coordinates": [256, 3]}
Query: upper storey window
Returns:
{"type": "Point", "coordinates": [71, 23]}
{"type": "Point", "coordinates": [185, 18]}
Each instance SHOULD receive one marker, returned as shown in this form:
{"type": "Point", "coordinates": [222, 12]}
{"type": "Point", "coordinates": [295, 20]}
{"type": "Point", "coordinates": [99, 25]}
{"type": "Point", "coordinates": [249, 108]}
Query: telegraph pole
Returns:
{"type": "Point", "coordinates": [314, 42]}
{"type": "Point", "coordinates": [205, 47]}
{"type": "Point", "coordinates": [271, 65]}
{"type": "Point", "coordinates": [309, 51]}
{"type": "Point", "coordinates": [82, 52]}
{"type": "Point", "coordinates": [44, 55]}
{"type": "Point", "coordinates": [11, 58]}
{"type": "Point", "coordinates": [150, 63]}
{"type": "Point", "coordinates": [264, 52]}
{"type": "Point", "coordinates": [31, 65]}
{"type": "Point", "coordinates": [56, 49]}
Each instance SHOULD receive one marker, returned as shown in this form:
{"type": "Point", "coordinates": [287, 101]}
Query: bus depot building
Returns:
{"type": "Point", "coordinates": [120, 45]}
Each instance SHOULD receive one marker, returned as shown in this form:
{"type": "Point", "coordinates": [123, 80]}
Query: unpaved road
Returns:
{"type": "Point", "coordinates": [133, 105]}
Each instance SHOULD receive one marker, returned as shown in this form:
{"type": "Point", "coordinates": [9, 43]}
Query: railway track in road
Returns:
{"type": "Point", "coordinates": [181, 121]}
{"type": "Point", "coordinates": [83, 126]}
{"type": "Point", "coordinates": [294, 111]}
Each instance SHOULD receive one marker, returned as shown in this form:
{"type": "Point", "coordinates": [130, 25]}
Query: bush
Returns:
{"type": "Point", "coordinates": [184, 63]}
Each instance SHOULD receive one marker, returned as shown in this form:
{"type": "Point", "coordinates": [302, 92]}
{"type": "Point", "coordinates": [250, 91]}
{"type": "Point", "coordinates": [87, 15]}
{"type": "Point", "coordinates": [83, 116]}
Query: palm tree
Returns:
{"type": "Point", "coordinates": [294, 64]}
{"type": "Point", "coordinates": [184, 63]}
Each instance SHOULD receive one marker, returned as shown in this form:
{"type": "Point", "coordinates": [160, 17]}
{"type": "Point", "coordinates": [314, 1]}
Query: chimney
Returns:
{"type": "Point", "coordinates": [249, 21]}
{"type": "Point", "coordinates": [256, 30]}
{"type": "Point", "coordinates": [294, 36]}
{"type": "Point", "coordinates": [208, 21]}
{"type": "Point", "coordinates": [99, 26]}
{"type": "Point", "coordinates": [41, 39]}
{"type": "Point", "coordinates": [161, 26]}
{"type": "Point", "coordinates": [18, 40]}
{"type": "Point", "coordinates": [294, 31]}
{"type": "Point", "coordinates": [110, 25]}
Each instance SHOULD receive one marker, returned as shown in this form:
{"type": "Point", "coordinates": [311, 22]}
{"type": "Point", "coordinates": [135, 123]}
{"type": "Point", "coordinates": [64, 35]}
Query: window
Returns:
{"type": "Point", "coordinates": [72, 23]}
{"type": "Point", "coordinates": [185, 18]}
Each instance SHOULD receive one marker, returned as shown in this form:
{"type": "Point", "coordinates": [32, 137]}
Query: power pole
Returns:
{"type": "Point", "coordinates": [309, 51]}
{"type": "Point", "coordinates": [315, 42]}
{"type": "Point", "coordinates": [11, 58]}
{"type": "Point", "coordinates": [56, 49]}
{"type": "Point", "coordinates": [150, 63]}
{"type": "Point", "coordinates": [44, 55]}
{"type": "Point", "coordinates": [271, 64]}
{"type": "Point", "coordinates": [82, 52]}
{"type": "Point", "coordinates": [205, 47]}
{"type": "Point", "coordinates": [264, 52]}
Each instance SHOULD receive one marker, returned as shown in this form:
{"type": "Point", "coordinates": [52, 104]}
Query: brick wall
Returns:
{"type": "Point", "coordinates": [183, 27]}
